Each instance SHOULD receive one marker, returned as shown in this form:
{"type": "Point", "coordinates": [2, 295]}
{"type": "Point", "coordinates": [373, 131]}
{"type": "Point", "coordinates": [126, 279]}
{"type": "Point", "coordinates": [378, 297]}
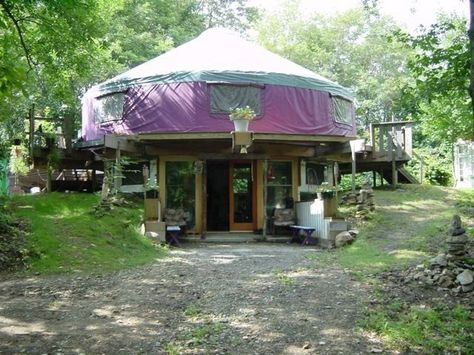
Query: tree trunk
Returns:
{"type": "Point", "coordinates": [471, 49]}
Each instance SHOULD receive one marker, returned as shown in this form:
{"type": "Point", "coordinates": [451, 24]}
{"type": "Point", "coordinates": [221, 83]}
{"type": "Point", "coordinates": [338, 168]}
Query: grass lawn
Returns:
{"type": "Point", "coordinates": [66, 237]}
{"type": "Point", "coordinates": [409, 226]}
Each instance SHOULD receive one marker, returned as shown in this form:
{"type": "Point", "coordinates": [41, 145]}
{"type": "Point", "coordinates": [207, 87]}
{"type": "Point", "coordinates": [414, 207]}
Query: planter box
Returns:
{"type": "Point", "coordinates": [152, 209]}
{"type": "Point", "coordinates": [330, 207]}
{"type": "Point", "coordinates": [151, 194]}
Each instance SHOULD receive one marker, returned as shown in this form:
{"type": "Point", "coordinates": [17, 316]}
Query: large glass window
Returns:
{"type": "Point", "coordinates": [279, 186]}
{"type": "Point", "coordinates": [342, 109]}
{"type": "Point", "coordinates": [109, 108]}
{"type": "Point", "coordinates": [181, 189]}
{"type": "Point", "coordinates": [225, 97]}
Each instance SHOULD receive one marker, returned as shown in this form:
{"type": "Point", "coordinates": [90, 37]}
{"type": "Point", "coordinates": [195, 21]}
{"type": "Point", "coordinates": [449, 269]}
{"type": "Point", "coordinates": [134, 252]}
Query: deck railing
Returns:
{"type": "Point", "coordinates": [391, 138]}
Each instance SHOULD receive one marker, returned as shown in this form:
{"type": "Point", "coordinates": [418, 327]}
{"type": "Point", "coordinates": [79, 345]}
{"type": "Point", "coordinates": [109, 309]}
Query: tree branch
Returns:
{"type": "Point", "coordinates": [7, 10]}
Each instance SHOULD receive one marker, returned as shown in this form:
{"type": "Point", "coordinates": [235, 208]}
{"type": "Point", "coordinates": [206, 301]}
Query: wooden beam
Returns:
{"type": "Point", "coordinates": [112, 141]}
{"type": "Point", "coordinates": [395, 123]}
{"type": "Point", "coordinates": [89, 144]}
{"type": "Point", "coordinates": [226, 136]}
{"type": "Point", "coordinates": [232, 156]}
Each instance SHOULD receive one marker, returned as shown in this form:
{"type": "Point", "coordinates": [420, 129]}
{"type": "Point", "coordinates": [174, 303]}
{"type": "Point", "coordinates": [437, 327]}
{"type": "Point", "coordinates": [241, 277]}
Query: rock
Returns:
{"type": "Point", "coordinates": [151, 235]}
{"type": "Point", "coordinates": [455, 227]}
{"type": "Point", "coordinates": [376, 350]}
{"type": "Point", "coordinates": [440, 260]}
{"type": "Point", "coordinates": [456, 239]}
{"type": "Point", "coordinates": [445, 281]}
{"type": "Point", "coordinates": [465, 278]}
{"type": "Point", "coordinates": [343, 238]}
{"type": "Point", "coordinates": [307, 346]}
{"type": "Point", "coordinates": [353, 232]}
{"type": "Point", "coordinates": [468, 288]}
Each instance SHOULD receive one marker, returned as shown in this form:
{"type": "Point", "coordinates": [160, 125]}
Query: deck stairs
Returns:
{"type": "Point", "coordinates": [386, 152]}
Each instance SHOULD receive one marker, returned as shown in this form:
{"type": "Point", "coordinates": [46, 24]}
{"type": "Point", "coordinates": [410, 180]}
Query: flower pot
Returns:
{"type": "Point", "coordinates": [327, 194]}
{"type": "Point", "coordinates": [241, 125]}
{"type": "Point", "coordinates": [151, 194]}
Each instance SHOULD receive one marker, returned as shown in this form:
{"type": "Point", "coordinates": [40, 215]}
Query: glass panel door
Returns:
{"type": "Point", "coordinates": [242, 202]}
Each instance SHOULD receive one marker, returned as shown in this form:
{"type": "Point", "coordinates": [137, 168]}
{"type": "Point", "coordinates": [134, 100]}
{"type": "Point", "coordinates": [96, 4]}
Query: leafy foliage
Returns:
{"type": "Point", "coordinates": [437, 96]}
{"type": "Point", "coordinates": [13, 250]}
{"type": "Point", "coordinates": [351, 48]}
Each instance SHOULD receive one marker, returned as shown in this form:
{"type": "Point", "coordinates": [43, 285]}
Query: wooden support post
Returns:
{"type": "Point", "coordinates": [353, 158]}
{"type": "Point", "coordinates": [265, 169]}
{"type": "Point", "coordinates": [49, 178]}
{"type": "Point", "coordinates": [94, 180]}
{"type": "Point", "coordinates": [67, 131]}
{"type": "Point", "coordinates": [117, 169]}
{"type": "Point", "coordinates": [204, 200]}
{"type": "Point", "coordinates": [374, 178]}
{"type": "Point", "coordinates": [381, 177]}
{"type": "Point", "coordinates": [394, 172]}
{"type": "Point", "coordinates": [31, 133]}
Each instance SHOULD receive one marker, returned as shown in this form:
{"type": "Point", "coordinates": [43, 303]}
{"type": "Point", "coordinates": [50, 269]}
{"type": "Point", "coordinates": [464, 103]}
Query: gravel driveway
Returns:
{"type": "Point", "coordinates": [237, 299]}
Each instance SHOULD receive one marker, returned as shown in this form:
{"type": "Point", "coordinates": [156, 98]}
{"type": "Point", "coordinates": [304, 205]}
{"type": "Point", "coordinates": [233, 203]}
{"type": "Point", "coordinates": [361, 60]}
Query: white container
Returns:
{"type": "Point", "coordinates": [241, 125]}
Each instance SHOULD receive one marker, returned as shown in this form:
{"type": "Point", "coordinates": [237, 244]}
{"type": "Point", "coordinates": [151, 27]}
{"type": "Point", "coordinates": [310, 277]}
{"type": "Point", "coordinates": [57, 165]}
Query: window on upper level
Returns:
{"type": "Point", "coordinates": [342, 109]}
{"type": "Point", "coordinates": [109, 108]}
{"type": "Point", "coordinates": [225, 97]}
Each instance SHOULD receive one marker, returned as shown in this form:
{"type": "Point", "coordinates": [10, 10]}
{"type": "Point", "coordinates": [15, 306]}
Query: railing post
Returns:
{"type": "Point", "coordinates": [381, 140]}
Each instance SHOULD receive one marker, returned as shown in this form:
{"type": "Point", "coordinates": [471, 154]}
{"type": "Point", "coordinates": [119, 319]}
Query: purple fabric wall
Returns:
{"type": "Point", "coordinates": [184, 107]}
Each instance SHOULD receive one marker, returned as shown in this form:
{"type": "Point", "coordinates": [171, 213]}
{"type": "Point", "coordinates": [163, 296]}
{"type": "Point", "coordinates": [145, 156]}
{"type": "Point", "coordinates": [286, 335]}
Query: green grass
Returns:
{"type": "Point", "coordinates": [429, 330]}
{"type": "Point", "coordinates": [283, 278]}
{"type": "Point", "coordinates": [67, 237]}
{"type": "Point", "coordinates": [407, 227]}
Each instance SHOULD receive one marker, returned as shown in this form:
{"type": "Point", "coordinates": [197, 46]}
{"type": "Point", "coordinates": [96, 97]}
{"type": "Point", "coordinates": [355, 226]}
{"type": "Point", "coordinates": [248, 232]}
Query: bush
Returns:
{"type": "Point", "coordinates": [13, 250]}
{"type": "Point", "coordinates": [438, 176]}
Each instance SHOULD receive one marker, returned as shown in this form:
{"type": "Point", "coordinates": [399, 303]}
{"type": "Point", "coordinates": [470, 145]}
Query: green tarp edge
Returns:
{"type": "Point", "coordinates": [231, 77]}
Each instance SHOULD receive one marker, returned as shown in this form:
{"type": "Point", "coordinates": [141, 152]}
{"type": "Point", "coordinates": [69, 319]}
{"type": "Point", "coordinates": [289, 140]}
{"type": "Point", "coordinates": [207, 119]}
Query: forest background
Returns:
{"type": "Point", "coordinates": [52, 51]}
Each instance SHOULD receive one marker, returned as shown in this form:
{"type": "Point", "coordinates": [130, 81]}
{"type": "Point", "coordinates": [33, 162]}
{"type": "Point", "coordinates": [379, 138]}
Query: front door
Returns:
{"type": "Point", "coordinates": [242, 192]}
{"type": "Point", "coordinates": [217, 195]}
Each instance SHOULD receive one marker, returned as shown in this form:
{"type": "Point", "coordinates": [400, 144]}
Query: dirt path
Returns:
{"type": "Point", "coordinates": [239, 299]}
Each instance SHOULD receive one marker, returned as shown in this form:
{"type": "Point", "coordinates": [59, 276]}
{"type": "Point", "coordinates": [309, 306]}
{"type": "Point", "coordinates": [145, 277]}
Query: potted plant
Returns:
{"type": "Point", "coordinates": [325, 191]}
{"type": "Point", "coordinates": [241, 116]}
{"type": "Point", "coordinates": [151, 188]}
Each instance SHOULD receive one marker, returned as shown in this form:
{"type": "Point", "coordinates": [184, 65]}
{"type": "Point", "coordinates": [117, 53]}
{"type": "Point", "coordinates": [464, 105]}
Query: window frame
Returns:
{"type": "Point", "coordinates": [333, 98]}
{"type": "Point", "coordinates": [97, 104]}
{"type": "Point", "coordinates": [260, 100]}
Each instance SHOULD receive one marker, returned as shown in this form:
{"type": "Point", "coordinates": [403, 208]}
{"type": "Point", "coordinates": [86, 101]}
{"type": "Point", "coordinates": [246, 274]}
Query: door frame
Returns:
{"type": "Point", "coordinates": [233, 226]}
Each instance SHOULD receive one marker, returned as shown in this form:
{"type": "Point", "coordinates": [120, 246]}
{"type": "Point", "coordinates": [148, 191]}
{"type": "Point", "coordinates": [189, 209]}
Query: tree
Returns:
{"type": "Point", "coordinates": [233, 14]}
{"type": "Point", "coordinates": [351, 48]}
{"type": "Point", "coordinates": [438, 95]}
{"type": "Point", "coordinates": [471, 50]}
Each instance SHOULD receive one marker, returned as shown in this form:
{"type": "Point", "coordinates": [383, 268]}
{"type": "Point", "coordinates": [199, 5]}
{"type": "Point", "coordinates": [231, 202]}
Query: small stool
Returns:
{"type": "Point", "coordinates": [308, 231]}
{"type": "Point", "coordinates": [173, 232]}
